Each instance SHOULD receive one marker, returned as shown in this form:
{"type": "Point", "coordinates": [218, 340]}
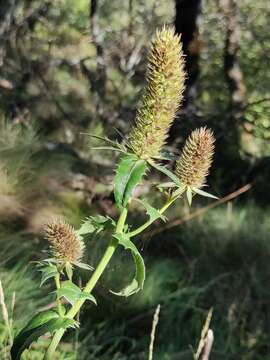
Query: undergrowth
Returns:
{"type": "Point", "coordinates": [225, 245]}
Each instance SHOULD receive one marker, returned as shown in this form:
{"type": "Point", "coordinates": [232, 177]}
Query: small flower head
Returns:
{"type": "Point", "coordinates": [193, 165]}
{"type": "Point", "coordinates": [65, 244]}
{"type": "Point", "coordinates": [162, 96]}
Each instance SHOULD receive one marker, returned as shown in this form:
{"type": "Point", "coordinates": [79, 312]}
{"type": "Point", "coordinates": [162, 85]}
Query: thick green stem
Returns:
{"type": "Point", "coordinates": [149, 222]}
{"type": "Point", "coordinates": [58, 285]}
{"type": "Point", "coordinates": [89, 286]}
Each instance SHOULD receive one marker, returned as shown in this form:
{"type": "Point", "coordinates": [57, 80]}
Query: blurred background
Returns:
{"type": "Point", "coordinates": [72, 67]}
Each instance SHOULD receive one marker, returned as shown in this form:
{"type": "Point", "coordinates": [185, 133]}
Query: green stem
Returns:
{"type": "Point", "coordinates": [58, 285]}
{"type": "Point", "coordinates": [89, 286]}
{"type": "Point", "coordinates": [149, 222]}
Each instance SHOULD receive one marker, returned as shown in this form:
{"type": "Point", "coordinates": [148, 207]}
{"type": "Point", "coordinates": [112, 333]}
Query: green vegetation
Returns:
{"type": "Point", "coordinates": [203, 264]}
{"type": "Point", "coordinates": [69, 69]}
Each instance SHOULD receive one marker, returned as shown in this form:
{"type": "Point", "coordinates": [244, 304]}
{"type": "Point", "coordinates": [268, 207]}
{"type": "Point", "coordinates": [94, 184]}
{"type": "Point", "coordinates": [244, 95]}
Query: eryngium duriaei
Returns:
{"type": "Point", "coordinates": [65, 244]}
{"type": "Point", "coordinates": [193, 165]}
{"type": "Point", "coordinates": [162, 96]}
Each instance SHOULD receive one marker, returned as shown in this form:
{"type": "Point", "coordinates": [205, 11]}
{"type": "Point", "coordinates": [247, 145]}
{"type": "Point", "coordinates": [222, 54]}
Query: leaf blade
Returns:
{"type": "Point", "coordinates": [167, 172]}
{"type": "Point", "coordinates": [137, 282]}
{"type": "Point", "coordinates": [40, 324]}
{"type": "Point", "coordinates": [128, 175]}
{"type": "Point", "coordinates": [152, 212]}
{"type": "Point", "coordinates": [69, 291]}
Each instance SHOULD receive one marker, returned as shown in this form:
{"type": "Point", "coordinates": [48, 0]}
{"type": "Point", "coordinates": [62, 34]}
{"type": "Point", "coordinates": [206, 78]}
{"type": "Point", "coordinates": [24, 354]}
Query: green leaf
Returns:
{"type": "Point", "coordinates": [167, 172]}
{"type": "Point", "coordinates": [105, 139]}
{"type": "Point", "coordinates": [69, 270]}
{"type": "Point", "coordinates": [86, 228]}
{"type": "Point", "coordinates": [94, 224]}
{"type": "Point", "coordinates": [72, 293]}
{"type": "Point", "coordinates": [204, 193]}
{"type": "Point", "coordinates": [128, 175]}
{"type": "Point", "coordinates": [69, 291]}
{"type": "Point", "coordinates": [48, 272]}
{"type": "Point", "coordinates": [152, 212]}
{"type": "Point", "coordinates": [189, 195]}
{"type": "Point", "coordinates": [166, 185]}
{"type": "Point", "coordinates": [87, 296]}
{"type": "Point", "coordinates": [138, 280]}
{"type": "Point", "coordinates": [40, 324]}
{"type": "Point", "coordinates": [84, 266]}
{"type": "Point", "coordinates": [109, 148]}
{"type": "Point", "coordinates": [177, 193]}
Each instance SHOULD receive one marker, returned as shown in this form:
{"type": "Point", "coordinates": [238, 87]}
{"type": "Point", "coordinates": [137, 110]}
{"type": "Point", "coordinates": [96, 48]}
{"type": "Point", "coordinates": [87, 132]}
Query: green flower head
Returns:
{"type": "Point", "coordinates": [162, 96]}
{"type": "Point", "coordinates": [193, 165]}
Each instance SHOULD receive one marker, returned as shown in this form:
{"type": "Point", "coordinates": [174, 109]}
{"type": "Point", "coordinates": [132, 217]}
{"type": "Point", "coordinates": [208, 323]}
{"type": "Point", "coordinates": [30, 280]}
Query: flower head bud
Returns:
{"type": "Point", "coordinates": [65, 244]}
{"type": "Point", "coordinates": [193, 165]}
{"type": "Point", "coordinates": [162, 96]}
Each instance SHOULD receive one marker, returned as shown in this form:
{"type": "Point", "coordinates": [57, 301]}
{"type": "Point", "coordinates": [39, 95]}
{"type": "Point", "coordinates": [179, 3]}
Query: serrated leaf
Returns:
{"type": "Point", "coordinates": [69, 291]}
{"type": "Point", "coordinates": [48, 272]}
{"type": "Point", "coordinates": [128, 175]}
{"type": "Point", "coordinates": [204, 193]}
{"type": "Point", "coordinates": [40, 324]}
{"type": "Point", "coordinates": [88, 297]}
{"type": "Point", "coordinates": [139, 277]}
{"type": "Point", "coordinates": [152, 212]}
{"type": "Point", "coordinates": [40, 319]}
{"type": "Point", "coordinates": [86, 228]}
{"type": "Point", "coordinates": [167, 172]}
{"type": "Point", "coordinates": [94, 224]}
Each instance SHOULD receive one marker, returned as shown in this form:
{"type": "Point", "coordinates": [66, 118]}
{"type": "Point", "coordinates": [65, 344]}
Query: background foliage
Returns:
{"type": "Point", "coordinates": [67, 69]}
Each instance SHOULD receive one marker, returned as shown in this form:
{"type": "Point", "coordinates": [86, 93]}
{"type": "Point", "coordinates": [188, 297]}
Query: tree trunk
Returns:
{"type": "Point", "coordinates": [100, 80]}
{"type": "Point", "coordinates": [186, 24]}
{"type": "Point", "coordinates": [231, 128]}
{"type": "Point", "coordinates": [233, 72]}
{"type": "Point", "coordinates": [7, 8]}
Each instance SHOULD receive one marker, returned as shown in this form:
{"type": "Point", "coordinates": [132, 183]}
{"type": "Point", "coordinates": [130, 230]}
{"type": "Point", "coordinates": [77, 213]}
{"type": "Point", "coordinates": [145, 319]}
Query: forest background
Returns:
{"type": "Point", "coordinates": [69, 68]}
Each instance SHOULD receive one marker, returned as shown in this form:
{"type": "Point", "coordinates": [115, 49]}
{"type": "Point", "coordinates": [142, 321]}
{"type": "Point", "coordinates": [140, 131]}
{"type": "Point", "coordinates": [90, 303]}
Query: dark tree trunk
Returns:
{"type": "Point", "coordinates": [7, 8]}
{"type": "Point", "coordinates": [231, 127]}
{"type": "Point", "coordinates": [100, 80]}
{"type": "Point", "coordinates": [232, 69]}
{"type": "Point", "coordinates": [235, 124]}
{"type": "Point", "coordinates": [186, 24]}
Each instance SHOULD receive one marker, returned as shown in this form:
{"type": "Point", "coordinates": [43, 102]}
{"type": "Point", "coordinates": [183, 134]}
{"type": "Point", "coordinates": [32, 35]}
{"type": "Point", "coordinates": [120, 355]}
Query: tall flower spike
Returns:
{"type": "Point", "coordinates": [162, 96]}
{"type": "Point", "coordinates": [65, 244]}
{"type": "Point", "coordinates": [193, 165]}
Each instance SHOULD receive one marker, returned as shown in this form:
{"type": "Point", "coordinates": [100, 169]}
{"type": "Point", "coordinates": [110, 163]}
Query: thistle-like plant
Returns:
{"type": "Point", "coordinates": [139, 153]}
{"type": "Point", "coordinates": [162, 96]}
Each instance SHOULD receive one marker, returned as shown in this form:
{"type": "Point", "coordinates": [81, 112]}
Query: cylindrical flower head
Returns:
{"type": "Point", "coordinates": [162, 96]}
{"type": "Point", "coordinates": [193, 165]}
{"type": "Point", "coordinates": [65, 244]}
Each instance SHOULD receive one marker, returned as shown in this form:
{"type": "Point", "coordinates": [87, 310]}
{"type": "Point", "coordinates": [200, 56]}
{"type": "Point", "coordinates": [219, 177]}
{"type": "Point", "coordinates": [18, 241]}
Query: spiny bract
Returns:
{"type": "Point", "coordinates": [65, 244]}
{"type": "Point", "coordinates": [193, 165]}
{"type": "Point", "coordinates": [162, 96]}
